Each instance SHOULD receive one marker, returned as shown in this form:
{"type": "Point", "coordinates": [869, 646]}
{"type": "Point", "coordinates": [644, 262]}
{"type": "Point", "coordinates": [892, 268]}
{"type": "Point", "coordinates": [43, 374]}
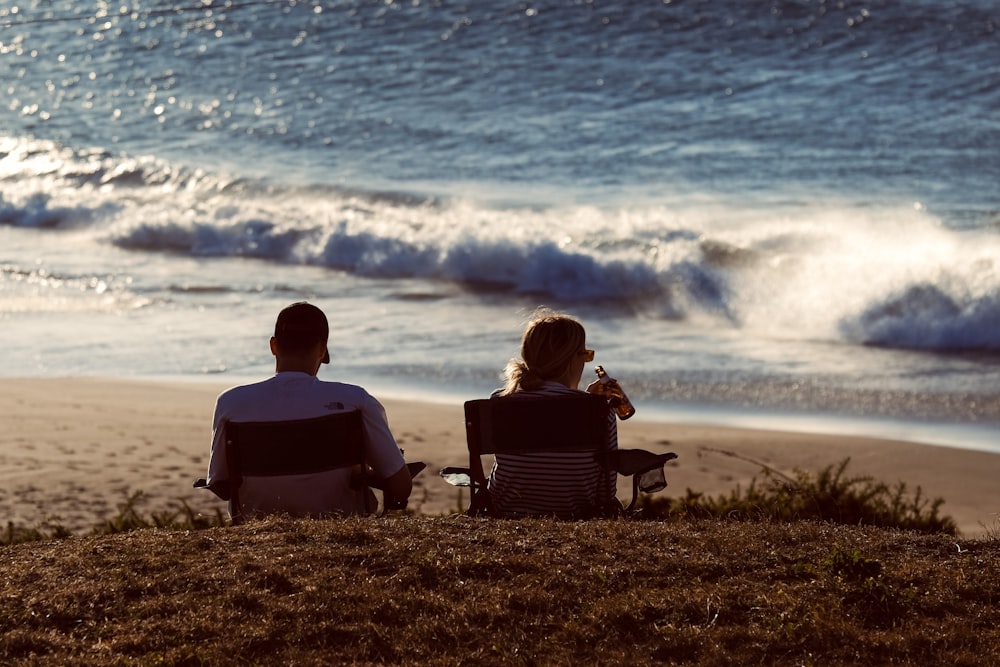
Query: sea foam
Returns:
{"type": "Point", "coordinates": [892, 276]}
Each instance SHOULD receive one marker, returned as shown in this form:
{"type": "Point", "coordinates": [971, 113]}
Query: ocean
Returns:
{"type": "Point", "coordinates": [776, 213]}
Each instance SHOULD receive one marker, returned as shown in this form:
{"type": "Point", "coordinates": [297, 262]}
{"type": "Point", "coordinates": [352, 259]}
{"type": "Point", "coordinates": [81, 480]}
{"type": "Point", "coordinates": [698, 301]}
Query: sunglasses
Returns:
{"type": "Point", "coordinates": [588, 355]}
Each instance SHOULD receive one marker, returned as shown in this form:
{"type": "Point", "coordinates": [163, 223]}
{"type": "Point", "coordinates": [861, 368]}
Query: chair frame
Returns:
{"type": "Point", "coordinates": [516, 424]}
{"type": "Point", "coordinates": [294, 447]}
{"type": "Point", "coordinates": [317, 444]}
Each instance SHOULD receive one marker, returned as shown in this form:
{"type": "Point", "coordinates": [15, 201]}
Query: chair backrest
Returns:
{"type": "Point", "coordinates": [521, 424]}
{"type": "Point", "coordinates": [294, 447]}
{"type": "Point", "coordinates": [268, 449]}
{"type": "Point", "coordinates": [574, 422]}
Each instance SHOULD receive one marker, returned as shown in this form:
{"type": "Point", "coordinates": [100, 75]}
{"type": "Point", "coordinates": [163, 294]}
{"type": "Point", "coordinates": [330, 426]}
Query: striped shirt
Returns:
{"type": "Point", "coordinates": [561, 484]}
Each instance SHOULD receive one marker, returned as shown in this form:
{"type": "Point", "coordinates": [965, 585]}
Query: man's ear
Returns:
{"type": "Point", "coordinates": [274, 346]}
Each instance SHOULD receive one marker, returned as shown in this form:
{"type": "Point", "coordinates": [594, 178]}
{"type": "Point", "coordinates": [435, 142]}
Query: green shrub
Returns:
{"type": "Point", "coordinates": [129, 518]}
{"type": "Point", "coordinates": [15, 534]}
{"type": "Point", "coordinates": [828, 495]}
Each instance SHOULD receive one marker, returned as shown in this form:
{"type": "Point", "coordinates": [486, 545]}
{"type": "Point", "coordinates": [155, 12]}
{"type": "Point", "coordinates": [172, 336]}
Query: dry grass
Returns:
{"type": "Point", "coordinates": [455, 590]}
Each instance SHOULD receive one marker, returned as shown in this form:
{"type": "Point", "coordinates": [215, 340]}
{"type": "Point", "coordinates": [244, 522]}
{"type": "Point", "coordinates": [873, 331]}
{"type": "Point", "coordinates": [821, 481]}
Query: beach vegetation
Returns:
{"type": "Point", "coordinates": [808, 568]}
{"type": "Point", "coordinates": [129, 517]}
{"type": "Point", "coordinates": [827, 495]}
{"type": "Point", "coordinates": [455, 590]}
{"type": "Point", "coordinates": [179, 516]}
{"type": "Point", "coordinates": [17, 533]}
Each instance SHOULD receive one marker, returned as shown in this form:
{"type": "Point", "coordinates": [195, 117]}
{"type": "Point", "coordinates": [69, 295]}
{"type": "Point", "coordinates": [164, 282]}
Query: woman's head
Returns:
{"type": "Point", "coordinates": [552, 349]}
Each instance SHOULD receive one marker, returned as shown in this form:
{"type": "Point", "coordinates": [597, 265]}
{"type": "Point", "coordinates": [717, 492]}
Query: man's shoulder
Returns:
{"type": "Point", "coordinates": [350, 393]}
{"type": "Point", "coordinates": [290, 397]}
{"type": "Point", "coordinates": [244, 389]}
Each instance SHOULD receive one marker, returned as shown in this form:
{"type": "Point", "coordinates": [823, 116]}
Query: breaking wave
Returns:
{"type": "Point", "coordinates": [892, 277]}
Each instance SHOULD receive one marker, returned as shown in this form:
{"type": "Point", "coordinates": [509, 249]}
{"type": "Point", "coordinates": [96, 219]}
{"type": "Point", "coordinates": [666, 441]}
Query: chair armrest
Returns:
{"type": "Point", "coordinates": [414, 468]}
{"type": "Point", "coordinates": [457, 476]}
{"type": "Point", "coordinates": [220, 489]}
{"type": "Point", "coordinates": [637, 461]}
{"type": "Point", "coordinates": [645, 469]}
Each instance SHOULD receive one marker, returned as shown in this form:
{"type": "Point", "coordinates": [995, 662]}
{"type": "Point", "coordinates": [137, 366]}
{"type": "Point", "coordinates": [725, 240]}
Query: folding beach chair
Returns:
{"type": "Point", "coordinates": [571, 423]}
{"type": "Point", "coordinates": [295, 447]}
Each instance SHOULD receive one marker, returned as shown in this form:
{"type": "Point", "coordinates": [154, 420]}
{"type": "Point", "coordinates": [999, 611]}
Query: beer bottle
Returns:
{"type": "Point", "coordinates": [619, 401]}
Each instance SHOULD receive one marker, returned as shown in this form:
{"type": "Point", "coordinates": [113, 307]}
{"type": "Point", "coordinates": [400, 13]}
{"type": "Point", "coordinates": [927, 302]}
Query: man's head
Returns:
{"type": "Point", "coordinates": [300, 335]}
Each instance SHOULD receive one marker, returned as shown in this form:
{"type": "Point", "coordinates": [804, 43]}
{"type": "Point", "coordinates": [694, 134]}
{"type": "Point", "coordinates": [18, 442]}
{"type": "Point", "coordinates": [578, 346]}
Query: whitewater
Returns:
{"type": "Point", "coordinates": [770, 215]}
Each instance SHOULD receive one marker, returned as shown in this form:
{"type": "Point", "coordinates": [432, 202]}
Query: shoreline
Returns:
{"type": "Point", "coordinates": [982, 436]}
{"type": "Point", "coordinates": [74, 449]}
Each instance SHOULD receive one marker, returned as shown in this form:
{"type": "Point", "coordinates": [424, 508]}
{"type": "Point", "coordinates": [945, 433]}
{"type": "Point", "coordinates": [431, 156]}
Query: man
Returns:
{"type": "Point", "coordinates": [299, 346]}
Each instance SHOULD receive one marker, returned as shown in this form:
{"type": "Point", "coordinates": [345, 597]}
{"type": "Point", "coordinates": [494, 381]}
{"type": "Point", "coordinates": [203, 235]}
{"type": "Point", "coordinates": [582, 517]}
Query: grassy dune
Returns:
{"type": "Point", "coordinates": [815, 569]}
{"type": "Point", "coordinates": [455, 590]}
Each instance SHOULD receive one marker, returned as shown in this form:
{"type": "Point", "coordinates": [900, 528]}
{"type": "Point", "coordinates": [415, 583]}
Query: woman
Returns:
{"type": "Point", "coordinates": [565, 484]}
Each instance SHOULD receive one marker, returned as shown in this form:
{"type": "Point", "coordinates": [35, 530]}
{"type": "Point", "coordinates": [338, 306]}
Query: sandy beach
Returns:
{"type": "Point", "coordinates": [73, 450]}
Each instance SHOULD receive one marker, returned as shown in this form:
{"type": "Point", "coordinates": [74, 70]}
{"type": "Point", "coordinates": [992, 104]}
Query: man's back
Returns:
{"type": "Point", "coordinates": [295, 395]}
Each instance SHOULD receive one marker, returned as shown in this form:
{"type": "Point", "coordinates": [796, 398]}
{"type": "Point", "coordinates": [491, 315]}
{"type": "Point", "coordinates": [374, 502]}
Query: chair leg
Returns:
{"type": "Point", "coordinates": [475, 500]}
{"type": "Point", "coordinates": [235, 516]}
{"type": "Point", "coordinates": [480, 503]}
{"type": "Point", "coordinates": [635, 494]}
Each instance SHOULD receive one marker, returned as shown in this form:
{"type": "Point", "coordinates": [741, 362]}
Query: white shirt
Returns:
{"type": "Point", "coordinates": [295, 395]}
